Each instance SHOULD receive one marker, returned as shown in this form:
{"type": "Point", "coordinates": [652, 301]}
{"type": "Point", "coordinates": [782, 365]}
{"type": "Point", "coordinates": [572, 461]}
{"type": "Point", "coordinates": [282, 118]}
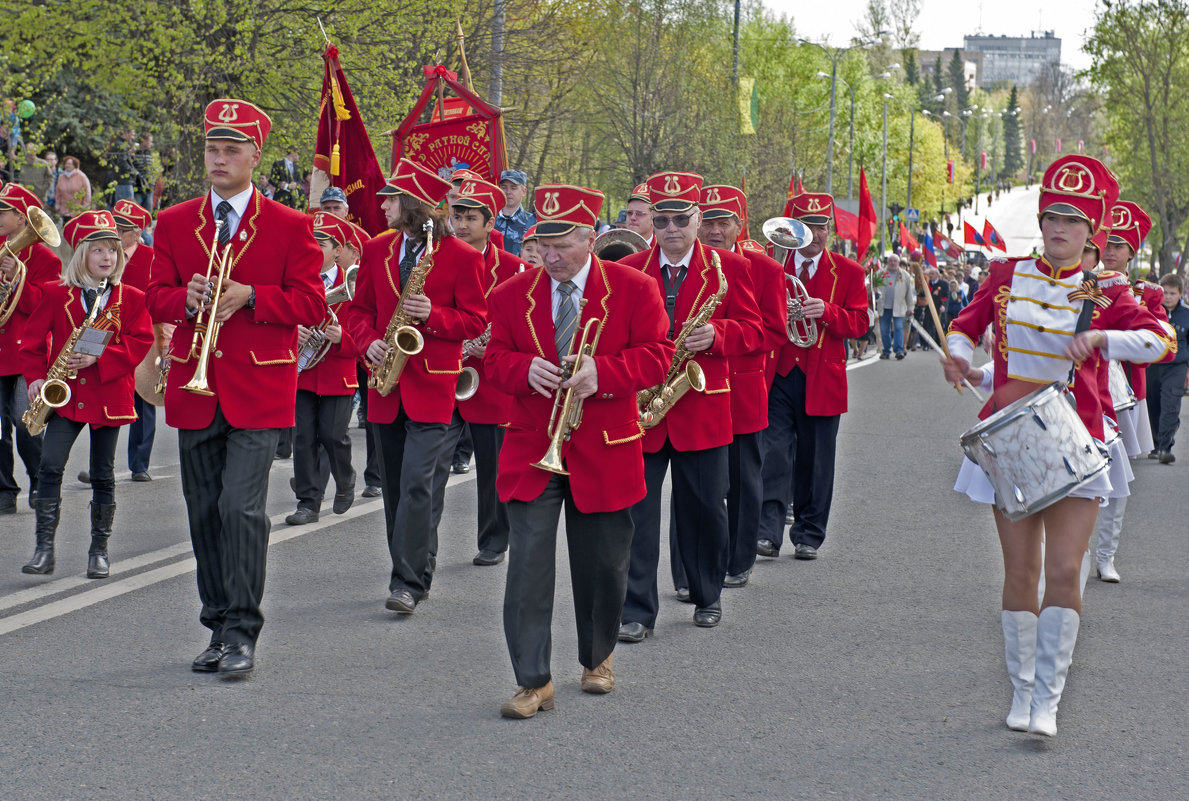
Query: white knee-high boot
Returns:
{"type": "Point", "coordinates": [1056, 633]}
{"type": "Point", "coordinates": [1109, 527]}
{"type": "Point", "coordinates": [1019, 649]}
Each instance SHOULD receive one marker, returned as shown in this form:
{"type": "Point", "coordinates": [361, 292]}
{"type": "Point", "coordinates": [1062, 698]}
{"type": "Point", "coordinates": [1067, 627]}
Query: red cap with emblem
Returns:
{"type": "Point", "coordinates": [416, 181]}
{"type": "Point", "coordinates": [531, 233]}
{"type": "Point", "coordinates": [18, 198]}
{"type": "Point", "coordinates": [129, 213]}
{"type": "Point", "coordinates": [236, 120]}
{"type": "Point", "coordinates": [328, 226]}
{"type": "Point", "coordinates": [463, 174]}
{"type": "Point", "coordinates": [1098, 242]}
{"type": "Point", "coordinates": [811, 208]}
{"type": "Point", "coordinates": [640, 193]}
{"type": "Point", "coordinates": [90, 225]}
{"type": "Point", "coordinates": [674, 191]}
{"type": "Point", "coordinates": [720, 201]}
{"type": "Point", "coordinates": [1130, 224]}
{"type": "Point", "coordinates": [561, 208]}
{"type": "Point", "coordinates": [1079, 186]}
{"type": "Point", "coordinates": [476, 193]}
{"type": "Point", "coordinates": [356, 236]}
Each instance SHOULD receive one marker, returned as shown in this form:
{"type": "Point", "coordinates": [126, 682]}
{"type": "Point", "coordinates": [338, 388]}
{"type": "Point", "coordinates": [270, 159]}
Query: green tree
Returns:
{"type": "Point", "coordinates": [1013, 143]}
{"type": "Point", "coordinates": [957, 75]}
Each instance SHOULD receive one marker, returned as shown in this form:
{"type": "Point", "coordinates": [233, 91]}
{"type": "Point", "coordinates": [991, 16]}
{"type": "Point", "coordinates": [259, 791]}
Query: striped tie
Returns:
{"type": "Point", "coordinates": [566, 320]}
{"type": "Point", "coordinates": [221, 212]}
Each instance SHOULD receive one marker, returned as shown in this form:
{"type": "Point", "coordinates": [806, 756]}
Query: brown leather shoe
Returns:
{"type": "Point", "coordinates": [600, 680]}
{"type": "Point", "coordinates": [527, 701]}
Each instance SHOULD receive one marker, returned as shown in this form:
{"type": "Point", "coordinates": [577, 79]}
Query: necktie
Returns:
{"type": "Point", "coordinates": [803, 271]}
{"type": "Point", "coordinates": [326, 280]}
{"type": "Point", "coordinates": [672, 287]}
{"type": "Point", "coordinates": [408, 262]}
{"type": "Point", "coordinates": [221, 212]}
{"type": "Point", "coordinates": [89, 297]}
{"type": "Point", "coordinates": [566, 319]}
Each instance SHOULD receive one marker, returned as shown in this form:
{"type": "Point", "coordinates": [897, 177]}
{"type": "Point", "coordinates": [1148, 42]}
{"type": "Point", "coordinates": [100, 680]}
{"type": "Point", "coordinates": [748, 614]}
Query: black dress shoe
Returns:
{"type": "Point", "coordinates": [900, 356]}
{"type": "Point", "coordinates": [767, 548]}
{"type": "Point", "coordinates": [301, 517]}
{"type": "Point", "coordinates": [708, 616]}
{"type": "Point", "coordinates": [238, 660]}
{"type": "Point", "coordinates": [737, 580]}
{"type": "Point", "coordinates": [142, 475]}
{"type": "Point", "coordinates": [485, 558]}
{"type": "Point", "coordinates": [803, 551]}
{"type": "Point", "coordinates": [634, 632]}
{"type": "Point", "coordinates": [458, 468]}
{"type": "Point", "coordinates": [372, 491]}
{"type": "Point", "coordinates": [8, 505]}
{"type": "Point", "coordinates": [401, 601]}
{"type": "Point", "coordinates": [208, 660]}
{"type": "Point", "coordinates": [84, 476]}
{"type": "Point", "coordinates": [682, 594]}
{"type": "Point", "coordinates": [343, 500]}
{"type": "Point", "coordinates": [885, 355]}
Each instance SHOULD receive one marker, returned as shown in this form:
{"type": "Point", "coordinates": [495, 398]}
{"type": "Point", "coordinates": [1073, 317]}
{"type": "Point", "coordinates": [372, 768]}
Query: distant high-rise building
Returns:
{"type": "Point", "coordinates": [1014, 59]}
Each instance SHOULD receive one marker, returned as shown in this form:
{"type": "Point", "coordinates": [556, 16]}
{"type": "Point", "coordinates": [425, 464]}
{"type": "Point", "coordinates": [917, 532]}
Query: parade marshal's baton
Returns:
{"type": "Point", "coordinates": [929, 340]}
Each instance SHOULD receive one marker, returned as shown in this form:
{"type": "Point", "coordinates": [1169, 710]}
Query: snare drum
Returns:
{"type": "Point", "coordinates": [1121, 395]}
{"type": "Point", "coordinates": [1035, 452]}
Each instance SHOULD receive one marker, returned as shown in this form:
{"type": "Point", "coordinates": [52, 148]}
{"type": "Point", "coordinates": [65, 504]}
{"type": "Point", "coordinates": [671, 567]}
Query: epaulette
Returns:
{"type": "Point", "coordinates": [750, 244]}
{"type": "Point", "coordinates": [1108, 279]}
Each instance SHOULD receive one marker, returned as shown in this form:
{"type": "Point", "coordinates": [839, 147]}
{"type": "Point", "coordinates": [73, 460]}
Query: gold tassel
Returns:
{"type": "Point", "coordinates": [334, 160]}
{"type": "Point", "coordinates": [340, 105]}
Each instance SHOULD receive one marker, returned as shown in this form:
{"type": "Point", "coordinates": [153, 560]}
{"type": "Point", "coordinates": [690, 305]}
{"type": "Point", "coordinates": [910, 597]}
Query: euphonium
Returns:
{"type": "Point", "coordinates": [787, 234]}
{"type": "Point", "coordinates": [317, 345]}
{"type": "Point", "coordinates": [55, 392]}
{"type": "Point", "coordinates": [38, 227]}
{"type": "Point", "coordinates": [567, 409]}
{"type": "Point", "coordinates": [655, 402]}
{"type": "Point", "coordinates": [402, 338]}
{"type": "Point", "coordinates": [206, 331]}
{"type": "Point", "coordinates": [468, 379]}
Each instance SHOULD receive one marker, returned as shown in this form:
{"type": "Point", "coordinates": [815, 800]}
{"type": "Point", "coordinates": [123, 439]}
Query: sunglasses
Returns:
{"type": "Point", "coordinates": [661, 223]}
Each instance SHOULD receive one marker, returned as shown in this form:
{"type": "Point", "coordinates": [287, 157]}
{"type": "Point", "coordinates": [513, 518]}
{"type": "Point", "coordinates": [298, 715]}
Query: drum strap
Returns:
{"type": "Point", "coordinates": [1084, 318]}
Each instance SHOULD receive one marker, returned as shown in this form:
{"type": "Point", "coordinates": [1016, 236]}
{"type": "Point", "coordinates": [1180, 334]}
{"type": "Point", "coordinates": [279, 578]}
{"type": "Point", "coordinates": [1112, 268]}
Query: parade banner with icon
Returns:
{"type": "Point", "coordinates": [459, 129]}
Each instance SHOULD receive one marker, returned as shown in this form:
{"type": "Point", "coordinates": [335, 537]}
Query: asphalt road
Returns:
{"type": "Point", "coordinates": [875, 672]}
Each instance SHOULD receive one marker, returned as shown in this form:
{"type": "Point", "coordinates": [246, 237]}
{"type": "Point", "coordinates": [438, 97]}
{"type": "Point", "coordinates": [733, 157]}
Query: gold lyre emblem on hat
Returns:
{"type": "Point", "coordinates": [469, 188]}
{"type": "Point", "coordinates": [1075, 179]}
{"type": "Point", "coordinates": [551, 205]}
{"type": "Point", "coordinates": [229, 112]}
{"type": "Point", "coordinates": [1120, 217]}
{"type": "Point", "coordinates": [813, 204]}
{"type": "Point", "coordinates": [712, 195]}
{"type": "Point", "coordinates": [318, 218]}
{"type": "Point", "coordinates": [672, 185]}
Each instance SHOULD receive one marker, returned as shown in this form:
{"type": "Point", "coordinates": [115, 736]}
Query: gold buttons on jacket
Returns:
{"type": "Point", "coordinates": [80, 404]}
{"type": "Point", "coordinates": [218, 354]}
{"type": "Point", "coordinates": [82, 381]}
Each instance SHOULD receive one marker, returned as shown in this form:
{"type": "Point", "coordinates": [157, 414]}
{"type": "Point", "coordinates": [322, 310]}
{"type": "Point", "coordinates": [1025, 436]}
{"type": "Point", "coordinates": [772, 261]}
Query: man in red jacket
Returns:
{"type": "Point", "coordinates": [228, 429]}
{"type": "Point", "coordinates": [411, 423]}
{"type": "Point", "coordinates": [537, 319]}
{"type": "Point", "coordinates": [693, 436]}
{"type": "Point", "coordinates": [808, 395]}
{"type": "Point", "coordinates": [43, 268]}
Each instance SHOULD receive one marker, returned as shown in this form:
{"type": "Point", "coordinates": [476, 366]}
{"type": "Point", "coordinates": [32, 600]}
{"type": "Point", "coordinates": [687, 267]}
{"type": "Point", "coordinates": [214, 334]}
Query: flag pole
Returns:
{"type": "Point", "coordinates": [462, 52]}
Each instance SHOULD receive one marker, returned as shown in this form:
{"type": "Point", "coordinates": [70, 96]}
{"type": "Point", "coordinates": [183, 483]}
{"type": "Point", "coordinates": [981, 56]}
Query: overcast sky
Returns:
{"type": "Point", "coordinates": [943, 23]}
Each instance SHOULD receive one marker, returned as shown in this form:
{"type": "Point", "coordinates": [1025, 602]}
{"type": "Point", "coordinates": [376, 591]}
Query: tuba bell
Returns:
{"type": "Point", "coordinates": [787, 234]}
{"type": "Point", "coordinates": [38, 228]}
{"type": "Point", "coordinates": [613, 245]}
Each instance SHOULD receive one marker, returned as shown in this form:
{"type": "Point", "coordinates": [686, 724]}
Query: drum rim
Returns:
{"type": "Point", "coordinates": [1010, 411]}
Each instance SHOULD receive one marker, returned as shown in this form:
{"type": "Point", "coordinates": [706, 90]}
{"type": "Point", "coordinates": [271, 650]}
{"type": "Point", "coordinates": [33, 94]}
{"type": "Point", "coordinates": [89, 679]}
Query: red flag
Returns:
{"type": "Point", "coordinates": [950, 248]}
{"type": "Point", "coordinates": [868, 222]}
{"type": "Point", "coordinates": [907, 240]}
{"type": "Point", "coordinates": [1032, 146]}
{"type": "Point", "coordinates": [1058, 144]}
{"type": "Point", "coordinates": [949, 171]}
{"type": "Point", "coordinates": [792, 186]}
{"type": "Point", "coordinates": [972, 236]}
{"type": "Point", "coordinates": [992, 237]}
{"type": "Point", "coordinates": [846, 225]}
{"type": "Point", "coordinates": [344, 151]}
{"type": "Point", "coordinates": [1081, 145]}
{"type": "Point", "coordinates": [982, 159]}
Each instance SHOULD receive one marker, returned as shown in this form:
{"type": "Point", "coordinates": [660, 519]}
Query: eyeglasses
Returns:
{"type": "Point", "coordinates": [661, 223]}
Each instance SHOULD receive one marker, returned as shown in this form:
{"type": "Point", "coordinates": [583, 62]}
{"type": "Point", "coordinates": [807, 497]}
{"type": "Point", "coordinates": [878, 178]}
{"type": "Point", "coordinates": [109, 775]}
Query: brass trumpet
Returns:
{"type": "Point", "coordinates": [206, 331]}
{"type": "Point", "coordinates": [567, 410]}
{"type": "Point", "coordinates": [787, 234]}
{"type": "Point", "coordinates": [38, 228]}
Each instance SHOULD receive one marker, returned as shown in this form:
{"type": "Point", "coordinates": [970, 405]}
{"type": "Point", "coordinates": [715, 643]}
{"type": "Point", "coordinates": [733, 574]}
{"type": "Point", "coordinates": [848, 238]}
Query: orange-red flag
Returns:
{"type": "Point", "coordinates": [868, 222]}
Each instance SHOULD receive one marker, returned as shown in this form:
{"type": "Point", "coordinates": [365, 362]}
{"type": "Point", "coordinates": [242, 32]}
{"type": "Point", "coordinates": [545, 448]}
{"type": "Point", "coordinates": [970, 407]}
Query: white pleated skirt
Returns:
{"type": "Point", "coordinates": [1136, 430]}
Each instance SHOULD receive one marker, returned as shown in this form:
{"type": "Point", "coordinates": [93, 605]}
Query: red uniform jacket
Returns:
{"type": "Point", "coordinates": [702, 420]}
{"type": "Point", "coordinates": [136, 271]}
{"type": "Point", "coordinates": [459, 311]}
{"type": "Point", "coordinates": [44, 269]}
{"type": "Point", "coordinates": [253, 367]}
{"type": "Point", "coordinates": [489, 405]}
{"type": "Point", "coordinates": [749, 383]}
{"type": "Point", "coordinates": [335, 374]}
{"type": "Point", "coordinates": [839, 282]}
{"type": "Point", "coordinates": [604, 455]}
{"type": "Point", "coordinates": [1123, 313]}
{"type": "Point", "coordinates": [102, 393]}
{"type": "Point", "coordinates": [1151, 297]}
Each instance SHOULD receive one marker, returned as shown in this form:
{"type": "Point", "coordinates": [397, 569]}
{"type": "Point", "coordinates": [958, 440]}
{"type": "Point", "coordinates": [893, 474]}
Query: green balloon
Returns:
{"type": "Point", "coordinates": [25, 109]}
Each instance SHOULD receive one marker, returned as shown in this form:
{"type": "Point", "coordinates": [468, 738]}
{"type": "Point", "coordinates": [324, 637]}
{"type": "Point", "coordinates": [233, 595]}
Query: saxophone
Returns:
{"type": "Point", "coordinates": [402, 338]}
{"type": "Point", "coordinates": [55, 392]}
{"type": "Point", "coordinates": [655, 402]}
{"type": "Point", "coordinates": [468, 379]}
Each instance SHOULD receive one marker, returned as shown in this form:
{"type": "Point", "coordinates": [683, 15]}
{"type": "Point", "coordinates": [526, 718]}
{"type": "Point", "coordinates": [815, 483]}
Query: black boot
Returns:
{"type": "Point", "coordinates": [45, 510]}
{"type": "Point", "coordinates": [101, 517]}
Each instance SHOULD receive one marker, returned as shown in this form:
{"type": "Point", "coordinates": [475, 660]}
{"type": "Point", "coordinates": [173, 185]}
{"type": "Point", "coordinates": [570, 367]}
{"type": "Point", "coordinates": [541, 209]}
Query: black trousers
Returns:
{"type": "Point", "coordinates": [371, 469]}
{"type": "Point", "coordinates": [464, 448]}
{"type": "Point", "coordinates": [409, 453]}
{"type": "Point", "coordinates": [320, 434]}
{"type": "Point", "coordinates": [141, 434]}
{"type": "Point", "coordinates": [59, 437]}
{"type": "Point", "coordinates": [797, 447]}
{"type": "Point", "coordinates": [1166, 387]}
{"type": "Point", "coordinates": [700, 514]}
{"type": "Point", "coordinates": [599, 550]}
{"type": "Point", "coordinates": [13, 403]}
{"type": "Point", "coordinates": [225, 482]}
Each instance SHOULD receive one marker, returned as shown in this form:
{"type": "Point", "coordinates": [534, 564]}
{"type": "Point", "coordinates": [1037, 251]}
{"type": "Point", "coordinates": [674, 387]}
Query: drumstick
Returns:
{"type": "Point", "coordinates": [921, 282]}
{"type": "Point", "coordinates": [929, 340]}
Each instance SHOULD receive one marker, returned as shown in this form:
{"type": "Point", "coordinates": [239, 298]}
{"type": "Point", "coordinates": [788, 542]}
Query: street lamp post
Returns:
{"type": "Point", "coordinates": [850, 156]}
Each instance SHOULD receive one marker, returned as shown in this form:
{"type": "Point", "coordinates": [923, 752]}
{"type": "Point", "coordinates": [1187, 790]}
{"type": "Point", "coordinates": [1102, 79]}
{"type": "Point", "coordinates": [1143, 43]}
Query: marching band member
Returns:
{"type": "Point", "coordinates": [694, 435]}
{"type": "Point", "coordinates": [473, 215]}
{"type": "Point", "coordinates": [1151, 296]}
{"type": "Point", "coordinates": [538, 317]}
{"type": "Point", "coordinates": [412, 421]}
{"type": "Point", "coordinates": [1034, 306]}
{"type": "Point", "coordinates": [43, 269]}
{"type": "Point", "coordinates": [808, 395]}
{"type": "Point", "coordinates": [530, 252]}
{"type": "Point", "coordinates": [228, 432]}
{"type": "Point", "coordinates": [131, 220]}
{"type": "Point", "coordinates": [101, 387]}
{"type": "Point", "coordinates": [638, 216]}
{"type": "Point", "coordinates": [325, 390]}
